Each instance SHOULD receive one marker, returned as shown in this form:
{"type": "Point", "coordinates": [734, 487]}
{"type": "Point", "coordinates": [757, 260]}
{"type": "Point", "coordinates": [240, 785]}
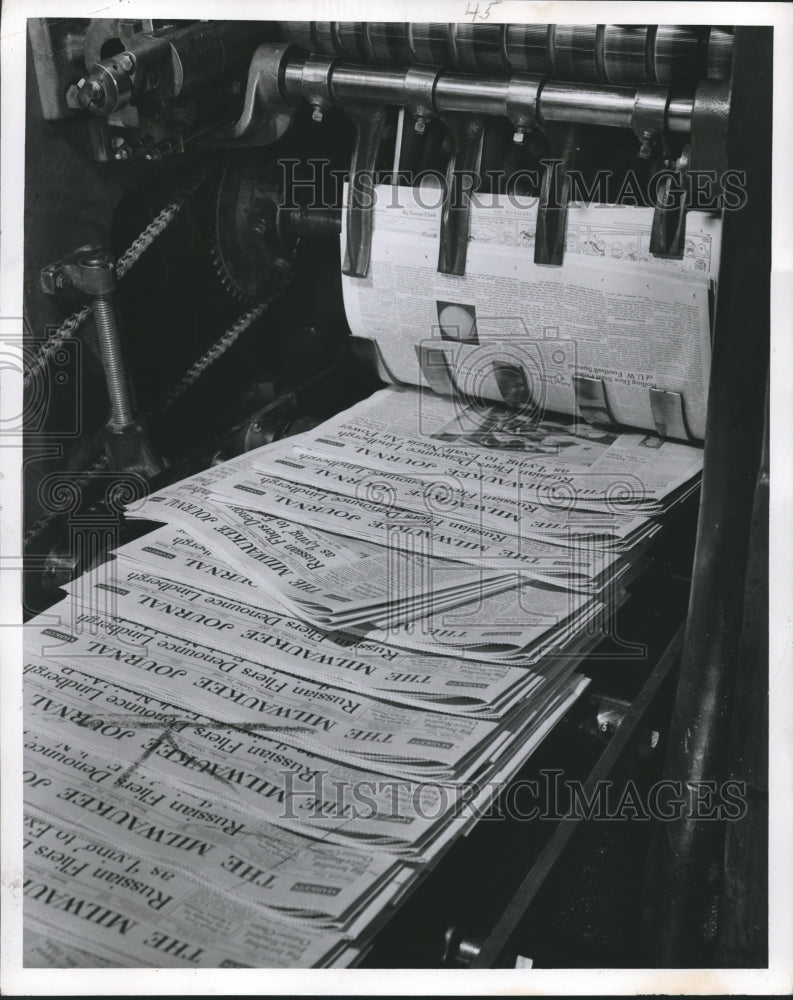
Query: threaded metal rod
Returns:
{"type": "Point", "coordinates": [122, 412]}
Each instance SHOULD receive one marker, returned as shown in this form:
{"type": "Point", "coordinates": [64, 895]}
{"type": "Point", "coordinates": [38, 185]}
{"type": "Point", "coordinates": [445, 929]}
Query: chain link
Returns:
{"type": "Point", "coordinates": [218, 349]}
{"type": "Point", "coordinates": [125, 262]}
{"type": "Point", "coordinates": [42, 522]}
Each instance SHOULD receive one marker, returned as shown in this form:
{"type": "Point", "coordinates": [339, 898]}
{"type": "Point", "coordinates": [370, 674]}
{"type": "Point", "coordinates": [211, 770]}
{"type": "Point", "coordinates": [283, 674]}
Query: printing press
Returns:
{"type": "Point", "coordinates": [199, 201]}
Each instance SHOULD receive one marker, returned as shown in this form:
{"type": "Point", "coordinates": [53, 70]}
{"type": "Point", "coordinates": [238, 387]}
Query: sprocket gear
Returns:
{"type": "Point", "coordinates": [246, 249]}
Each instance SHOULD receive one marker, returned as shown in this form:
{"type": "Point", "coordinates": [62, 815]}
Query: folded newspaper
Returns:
{"type": "Point", "coordinates": [251, 731]}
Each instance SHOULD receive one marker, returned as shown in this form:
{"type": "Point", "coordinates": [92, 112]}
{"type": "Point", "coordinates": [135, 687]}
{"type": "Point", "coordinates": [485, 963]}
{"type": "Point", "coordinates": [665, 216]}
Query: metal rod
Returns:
{"type": "Point", "coordinates": [122, 412]}
{"type": "Point", "coordinates": [586, 104]}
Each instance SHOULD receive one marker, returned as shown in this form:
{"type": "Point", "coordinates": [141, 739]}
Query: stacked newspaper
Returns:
{"type": "Point", "coordinates": [238, 753]}
{"type": "Point", "coordinates": [251, 731]}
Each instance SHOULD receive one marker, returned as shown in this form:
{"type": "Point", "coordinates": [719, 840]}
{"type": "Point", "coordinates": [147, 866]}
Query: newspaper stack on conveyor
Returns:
{"type": "Point", "coordinates": [252, 731]}
{"type": "Point", "coordinates": [228, 770]}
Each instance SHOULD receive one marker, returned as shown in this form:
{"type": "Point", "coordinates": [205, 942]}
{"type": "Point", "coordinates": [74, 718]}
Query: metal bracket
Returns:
{"type": "Point", "coordinates": [668, 234]}
{"type": "Point", "coordinates": [555, 194]}
{"type": "Point", "coordinates": [90, 269]}
{"type": "Point", "coordinates": [87, 269]}
{"type": "Point", "coordinates": [591, 399]}
{"type": "Point", "coordinates": [467, 131]}
{"type": "Point", "coordinates": [513, 385]}
{"type": "Point", "coordinates": [436, 369]}
{"type": "Point", "coordinates": [709, 127]}
{"type": "Point", "coordinates": [418, 112]}
{"type": "Point", "coordinates": [458, 949]}
{"type": "Point", "coordinates": [649, 117]}
{"type": "Point", "coordinates": [369, 121]}
{"type": "Point", "coordinates": [266, 112]}
{"type": "Point", "coordinates": [669, 415]}
{"type": "Point", "coordinates": [419, 88]}
{"type": "Point", "coordinates": [130, 449]}
{"type": "Point", "coordinates": [523, 98]}
{"type": "Point", "coordinates": [316, 74]}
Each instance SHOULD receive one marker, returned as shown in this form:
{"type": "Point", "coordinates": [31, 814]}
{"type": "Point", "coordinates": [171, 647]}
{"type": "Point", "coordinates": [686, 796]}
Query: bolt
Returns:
{"type": "Point", "coordinates": [317, 114]}
{"type": "Point", "coordinates": [518, 137]}
{"type": "Point", "coordinates": [123, 153]}
{"type": "Point", "coordinates": [122, 413]}
{"type": "Point", "coordinates": [126, 61]}
{"type": "Point", "coordinates": [95, 259]}
{"type": "Point", "coordinates": [63, 281]}
{"type": "Point", "coordinates": [646, 147]}
{"type": "Point", "coordinates": [420, 124]}
{"type": "Point", "coordinates": [88, 92]}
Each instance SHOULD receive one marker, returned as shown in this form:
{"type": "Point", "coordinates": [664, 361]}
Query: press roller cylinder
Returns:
{"type": "Point", "coordinates": [624, 54]}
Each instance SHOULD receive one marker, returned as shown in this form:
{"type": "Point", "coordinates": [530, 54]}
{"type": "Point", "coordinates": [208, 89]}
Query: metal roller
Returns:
{"type": "Point", "coordinates": [348, 40]}
{"type": "Point", "coordinates": [678, 55]}
{"type": "Point", "coordinates": [322, 34]}
{"type": "Point", "coordinates": [479, 48]}
{"type": "Point", "coordinates": [573, 52]}
{"type": "Point", "coordinates": [720, 41]}
{"type": "Point", "coordinates": [620, 54]}
{"type": "Point", "coordinates": [297, 32]}
{"type": "Point", "coordinates": [627, 53]}
{"type": "Point", "coordinates": [386, 42]}
{"type": "Point", "coordinates": [527, 48]}
{"type": "Point", "coordinates": [429, 43]}
{"type": "Point", "coordinates": [560, 101]}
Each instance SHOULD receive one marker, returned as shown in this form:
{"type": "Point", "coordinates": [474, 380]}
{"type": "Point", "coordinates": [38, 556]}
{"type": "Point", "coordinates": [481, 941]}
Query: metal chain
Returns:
{"type": "Point", "coordinates": [42, 522]}
{"type": "Point", "coordinates": [159, 223]}
{"type": "Point", "coordinates": [125, 262]}
{"type": "Point", "coordinates": [52, 344]}
{"type": "Point", "coordinates": [218, 349]}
